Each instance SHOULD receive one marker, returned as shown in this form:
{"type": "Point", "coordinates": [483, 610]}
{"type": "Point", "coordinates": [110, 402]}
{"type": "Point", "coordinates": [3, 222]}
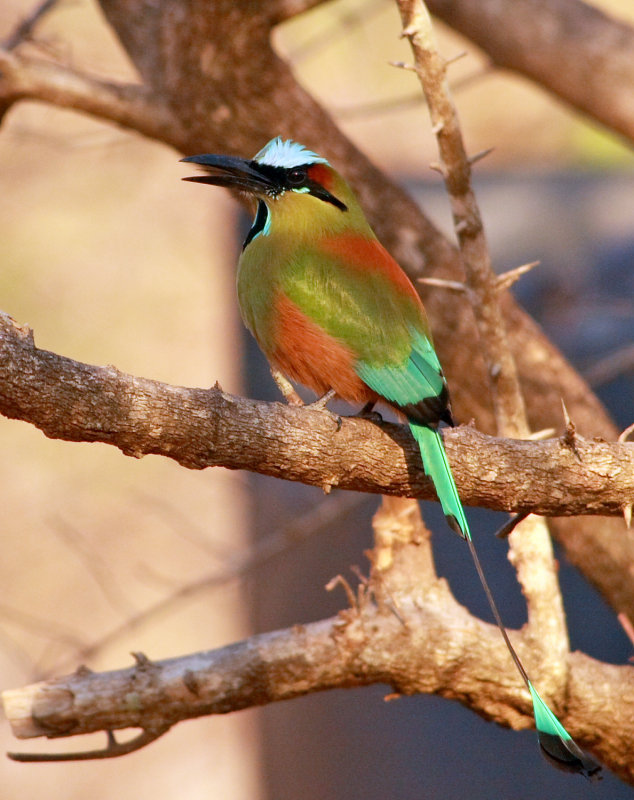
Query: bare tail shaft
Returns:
{"type": "Point", "coordinates": [556, 743]}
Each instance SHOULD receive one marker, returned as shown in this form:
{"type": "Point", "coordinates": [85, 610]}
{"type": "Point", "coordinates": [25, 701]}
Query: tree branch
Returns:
{"type": "Point", "coordinates": [24, 29]}
{"type": "Point", "coordinates": [530, 548]}
{"type": "Point", "coordinates": [435, 646]}
{"type": "Point", "coordinates": [200, 428]}
{"type": "Point", "coordinates": [130, 105]}
{"type": "Point", "coordinates": [403, 628]}
{"type": "Point", "coordinates": [535, 38]}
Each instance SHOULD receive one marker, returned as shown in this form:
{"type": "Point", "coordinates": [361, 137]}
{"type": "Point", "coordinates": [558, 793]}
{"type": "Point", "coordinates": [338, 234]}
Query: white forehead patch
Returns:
{"type": "Point", "coordinates": [287, 154]}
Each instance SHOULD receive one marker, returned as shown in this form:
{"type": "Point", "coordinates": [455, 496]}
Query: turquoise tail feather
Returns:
{"type": "Point", "coordinates": [556, 743]}
{"type": "Point", "coordinates": [437, 468]}
{"type": "Point", "coordinates": [558, 746]}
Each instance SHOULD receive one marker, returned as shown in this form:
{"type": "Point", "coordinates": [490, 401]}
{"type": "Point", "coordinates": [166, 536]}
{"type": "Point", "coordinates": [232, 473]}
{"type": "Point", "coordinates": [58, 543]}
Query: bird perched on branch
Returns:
{"type": "Point", "coordinates": [332, 310]}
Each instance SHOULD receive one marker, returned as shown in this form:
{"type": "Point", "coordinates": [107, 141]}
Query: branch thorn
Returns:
{"type": "Point", "coordinates": [569, 439]}
{"type": "Point", "coordinates": [457, 57]}
{"type": "Point", "coordinates": [479, 156]}
{"type": "Point", "coordinates": [339, 580]}
{"type": "Point", "coordinates": [627, 627]}
{"type": "Point", "coordinates": [141, 660]}
{"type": "Point", "coordinates": [539, 436]}
{"type": "Point", "coordinates": [454, 286]}
{"type": "Point", "coordinates": [507, 279]}
{"type": "Point", "coordinates": [461, 227]}
{"type": "Point", "coordinates": [286, 388]}
{"type": "Point", "coordinates": [507, 529]}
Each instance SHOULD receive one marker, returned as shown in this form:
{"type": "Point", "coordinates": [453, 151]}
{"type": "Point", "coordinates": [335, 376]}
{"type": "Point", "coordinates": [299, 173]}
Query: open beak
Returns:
{"type": "Point", "coordinates": [230, 171]}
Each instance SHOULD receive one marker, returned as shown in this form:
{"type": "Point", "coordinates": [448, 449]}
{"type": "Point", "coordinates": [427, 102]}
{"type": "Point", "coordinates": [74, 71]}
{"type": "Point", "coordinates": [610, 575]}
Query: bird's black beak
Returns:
{"type": "Point", "coordinates": [230, 171]}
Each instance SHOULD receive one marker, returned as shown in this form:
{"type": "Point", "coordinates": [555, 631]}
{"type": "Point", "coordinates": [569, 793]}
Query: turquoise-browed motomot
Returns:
{"type": "Point", "coordinates": [331, 309]}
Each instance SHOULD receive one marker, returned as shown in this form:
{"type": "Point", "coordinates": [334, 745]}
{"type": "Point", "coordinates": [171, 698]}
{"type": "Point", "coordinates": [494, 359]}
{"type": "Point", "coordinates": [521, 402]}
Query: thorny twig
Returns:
{"type": "Point", "coordinates": [531, 554]}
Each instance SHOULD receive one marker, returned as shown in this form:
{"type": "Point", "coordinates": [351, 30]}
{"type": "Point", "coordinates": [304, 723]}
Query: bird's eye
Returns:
{"type": "Point", "coordinates": [296, 177]}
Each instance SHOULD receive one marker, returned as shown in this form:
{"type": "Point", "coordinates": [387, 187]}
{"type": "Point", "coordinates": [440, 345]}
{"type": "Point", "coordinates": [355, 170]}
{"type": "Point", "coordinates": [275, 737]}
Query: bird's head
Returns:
{"type": "Point", "coordinates": [282, 169]}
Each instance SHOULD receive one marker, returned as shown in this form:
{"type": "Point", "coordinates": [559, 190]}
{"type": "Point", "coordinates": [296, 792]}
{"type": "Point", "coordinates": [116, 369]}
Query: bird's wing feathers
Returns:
{"type": "Point", "coordinates": [362, 309]}
{"type": "Point", "coordinates": [379, 319]}
{"type": "Point", "coordinates": [406, 383]}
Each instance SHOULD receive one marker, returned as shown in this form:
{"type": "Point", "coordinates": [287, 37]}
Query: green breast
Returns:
{"type": "Point", "coordinates": [258, 281]}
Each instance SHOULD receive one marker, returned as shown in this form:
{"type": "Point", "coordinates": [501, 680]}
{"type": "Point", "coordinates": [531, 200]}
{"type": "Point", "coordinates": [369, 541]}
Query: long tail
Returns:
{"type": "Point", "coordinates": [556, 743]}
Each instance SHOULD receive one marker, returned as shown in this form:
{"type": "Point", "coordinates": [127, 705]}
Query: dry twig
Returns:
{"type": "Point", "coordinates": [530, 547]}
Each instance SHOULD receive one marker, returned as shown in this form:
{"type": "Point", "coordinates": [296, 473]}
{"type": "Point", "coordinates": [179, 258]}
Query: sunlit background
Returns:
{"type": "Point", "coordinates": [113, 260]}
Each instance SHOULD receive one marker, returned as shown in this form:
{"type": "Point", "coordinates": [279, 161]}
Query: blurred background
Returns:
{"type": "Point", "coordinates": [113, 260]}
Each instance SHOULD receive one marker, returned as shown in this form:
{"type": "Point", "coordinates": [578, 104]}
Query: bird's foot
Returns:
{"type": "Point", "coordinates": [286, 388]}
{"type": "Point", "coordinates": [321, 402]}
{"type": "Point", "coordinates": [367, 412]}
{"type": "Point", "coordinates": [320, 405]}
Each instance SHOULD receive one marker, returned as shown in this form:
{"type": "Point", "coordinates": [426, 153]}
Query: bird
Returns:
{"type": "Point", "coordinates": [332, 310]}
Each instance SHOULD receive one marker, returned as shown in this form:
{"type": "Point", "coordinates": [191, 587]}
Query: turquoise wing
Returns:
{"type": "Point", "coordinates": [413, 379]}
{"type": "Point", "coordinates": [418, 387]}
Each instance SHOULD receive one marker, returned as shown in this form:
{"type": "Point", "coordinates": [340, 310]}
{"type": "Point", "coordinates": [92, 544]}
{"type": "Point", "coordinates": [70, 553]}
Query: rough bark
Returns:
{"type": "Point", "coordinates": [403, 629]}
{"type": "Point", "coordinates": [202, 428]}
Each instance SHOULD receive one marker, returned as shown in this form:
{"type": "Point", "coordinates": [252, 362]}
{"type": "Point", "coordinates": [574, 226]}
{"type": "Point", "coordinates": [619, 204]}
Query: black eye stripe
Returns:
{"type": "Point", "coordinates": [317, 190]}
{"type": "Point", "coordinates": [277, 175]}
{"type": "Point", "coordinates": [282, 181]}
